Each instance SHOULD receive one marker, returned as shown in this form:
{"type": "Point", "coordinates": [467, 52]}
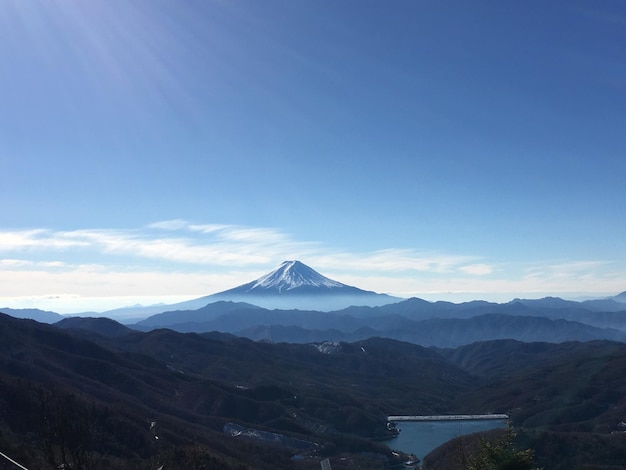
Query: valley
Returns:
{"type": "Point", "coordinates": [100, 393]}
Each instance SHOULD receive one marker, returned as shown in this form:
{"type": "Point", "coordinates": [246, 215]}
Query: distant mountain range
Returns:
{"type": "Point", "coordinates": [413, 320]}
{"type": "Point", "coordinates": [438, 324]}
{"type": "Point", "coordinates": [293, 304]}
{"type": "Point", "coordinates": [42, 316]}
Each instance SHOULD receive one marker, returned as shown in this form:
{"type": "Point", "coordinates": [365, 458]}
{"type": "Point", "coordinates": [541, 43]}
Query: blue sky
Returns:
{"type": "Point", "coordinates": [156, 150]}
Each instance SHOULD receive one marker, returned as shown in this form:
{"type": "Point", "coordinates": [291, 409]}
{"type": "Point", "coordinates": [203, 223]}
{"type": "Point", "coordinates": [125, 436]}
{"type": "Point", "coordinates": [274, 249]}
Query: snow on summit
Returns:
{"type": "Point", "coordinates": [292, 274]}
{"type": "Point", "coordinates": [296, 286]}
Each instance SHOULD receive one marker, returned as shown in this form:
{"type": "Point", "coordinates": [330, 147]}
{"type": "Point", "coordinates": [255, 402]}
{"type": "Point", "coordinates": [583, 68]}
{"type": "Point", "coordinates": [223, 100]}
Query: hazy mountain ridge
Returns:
{"type": "Point", "coordinates": [100, 325]}
{"type": "Point", "coordinates": [444, 333]}
{"type": "Point", "coordinates": [441, 324]}
{"type": "Point", "coordinates": [43, 316]}
{"type": "Point", "coordinates": [206, 313]}
{"type": "Point", "coordinates": [243, 310]}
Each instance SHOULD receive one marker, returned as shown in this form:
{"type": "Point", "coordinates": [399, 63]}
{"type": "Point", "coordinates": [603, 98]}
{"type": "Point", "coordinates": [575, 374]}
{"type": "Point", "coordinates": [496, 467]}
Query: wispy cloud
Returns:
{"type": "Point", "coordinates": [478, 269]}
{"type": "Point", "coordinates": [183, 243]}
{"type": "Point", "coordinates": [174, 224]}
{"type": "Point", "coordinates": [29, 264]}
{"type": "Point", "coordinates": [176, 257]}
{"type": "Point", "coordinates": [393, 260]}
{"type": "Point", "coordinates": [567, 270]}
{"type": "Point", "coordinates": [177, 241]}
{"type": "Point", "coordinates": [35, 239]}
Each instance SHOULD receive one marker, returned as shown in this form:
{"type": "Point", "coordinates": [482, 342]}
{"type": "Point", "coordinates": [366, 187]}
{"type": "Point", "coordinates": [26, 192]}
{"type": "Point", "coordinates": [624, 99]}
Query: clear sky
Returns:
{"type": "Point", "coordinates": [153, 150]}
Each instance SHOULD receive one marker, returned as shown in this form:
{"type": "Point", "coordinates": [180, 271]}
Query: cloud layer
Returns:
{"type": "Point", "coordinates": [179, 258]}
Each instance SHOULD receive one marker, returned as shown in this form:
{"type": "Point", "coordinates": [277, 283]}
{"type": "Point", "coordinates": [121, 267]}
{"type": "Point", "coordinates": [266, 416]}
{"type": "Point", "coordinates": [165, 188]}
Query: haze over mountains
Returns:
{"type": "Point", "coordinates": [293, 285]}
{"type": "Point", "coordinates": [293, 304]}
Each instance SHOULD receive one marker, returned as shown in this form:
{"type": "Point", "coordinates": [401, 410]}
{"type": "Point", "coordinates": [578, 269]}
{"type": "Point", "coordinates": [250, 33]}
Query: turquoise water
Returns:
{"type": "Point", "coordinates": [420, 437]}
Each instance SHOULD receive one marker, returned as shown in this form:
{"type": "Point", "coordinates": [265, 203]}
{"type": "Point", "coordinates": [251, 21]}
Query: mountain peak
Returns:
{"type": "Point", "coordinates": [291, 275]}
{"type": "Point", "coordinates": [620, 297]}
{"type": "Point", "coordinates": [294, 285]}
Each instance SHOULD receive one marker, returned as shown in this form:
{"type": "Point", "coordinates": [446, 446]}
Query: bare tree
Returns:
{"type": "Point", "coordinates": [68, 429]}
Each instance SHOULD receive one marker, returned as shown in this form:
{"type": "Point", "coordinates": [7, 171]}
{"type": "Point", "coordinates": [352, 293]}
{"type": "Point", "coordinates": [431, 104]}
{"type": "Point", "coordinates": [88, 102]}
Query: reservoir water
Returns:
{"type": "Point", "coordinates": [420, 437]}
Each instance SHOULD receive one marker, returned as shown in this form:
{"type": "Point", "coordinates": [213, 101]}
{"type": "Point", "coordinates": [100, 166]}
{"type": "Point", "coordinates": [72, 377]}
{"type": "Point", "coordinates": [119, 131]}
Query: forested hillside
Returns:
{"type": "Point", "coordinates": [141, 400]}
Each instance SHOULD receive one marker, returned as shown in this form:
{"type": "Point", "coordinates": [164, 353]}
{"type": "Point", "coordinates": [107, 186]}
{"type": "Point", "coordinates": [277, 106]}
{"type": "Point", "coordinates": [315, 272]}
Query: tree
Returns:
{"type": "Point", "coordinates": [68, 428]}
{"type": "Point", "coordinates": [501, 455]}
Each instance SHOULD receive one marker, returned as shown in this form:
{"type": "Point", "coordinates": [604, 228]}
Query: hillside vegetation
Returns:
{"type": "Point", "coordinates": [213, 400]}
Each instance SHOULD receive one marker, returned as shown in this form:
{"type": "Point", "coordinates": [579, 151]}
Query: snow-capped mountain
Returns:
{"type": "Point", "coordinates": [290, 275]}
{"type": "Point", "coordinates": [296, 285]}
{"type": "Point", "coordinates": [293, 285]}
